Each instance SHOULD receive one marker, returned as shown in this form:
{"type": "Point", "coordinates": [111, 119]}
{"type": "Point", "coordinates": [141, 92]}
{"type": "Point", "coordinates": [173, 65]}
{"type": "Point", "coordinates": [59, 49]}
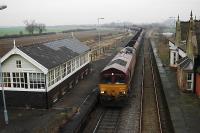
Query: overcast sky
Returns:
{"type": "Point", "coordinates": [66, 12]}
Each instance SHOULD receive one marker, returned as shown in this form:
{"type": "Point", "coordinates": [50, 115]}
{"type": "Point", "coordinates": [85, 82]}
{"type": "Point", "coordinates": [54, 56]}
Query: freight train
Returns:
{"type": "Point", "coordinates": [115, 78]}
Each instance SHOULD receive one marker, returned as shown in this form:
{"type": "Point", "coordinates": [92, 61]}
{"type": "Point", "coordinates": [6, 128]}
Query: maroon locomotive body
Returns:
{"type": "Point", "coordinates": [116, 77]}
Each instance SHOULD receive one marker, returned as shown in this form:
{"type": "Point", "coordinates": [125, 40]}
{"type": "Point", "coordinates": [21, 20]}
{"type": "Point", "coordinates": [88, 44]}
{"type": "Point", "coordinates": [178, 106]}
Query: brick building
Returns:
{"type": "Point", "coordinates": [185, 54]}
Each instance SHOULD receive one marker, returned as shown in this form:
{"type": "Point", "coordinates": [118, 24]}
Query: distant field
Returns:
{"type": "Point", "coordinates": [171, 30]}
{"type": "Point", "coordinates": [11, 31]}
{"type": "Point", "coordinates": [17, 30]}
{"type": "Point", "coordinates": [90, 36]}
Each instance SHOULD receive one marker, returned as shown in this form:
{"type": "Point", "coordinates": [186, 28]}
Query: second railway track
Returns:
{"type": "Point", "coordinates": [154, 115]}
{"type": "Point", "coordinates": [150, 113]}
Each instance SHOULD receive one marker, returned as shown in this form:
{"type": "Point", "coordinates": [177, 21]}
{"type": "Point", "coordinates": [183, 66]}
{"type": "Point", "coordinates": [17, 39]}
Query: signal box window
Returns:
{"type": "Point", "coordinates": [18, 63]}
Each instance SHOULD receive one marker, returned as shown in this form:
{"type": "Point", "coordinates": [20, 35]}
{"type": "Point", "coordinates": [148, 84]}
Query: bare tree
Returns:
{"type": "Point", "coordinates": [30, 26]}
{"type": "Point", "coordinates": [41, 28]}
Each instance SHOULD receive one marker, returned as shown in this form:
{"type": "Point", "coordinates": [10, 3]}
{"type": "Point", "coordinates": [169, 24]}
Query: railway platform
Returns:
{"type": "Point", "coordinates": [184, 108]}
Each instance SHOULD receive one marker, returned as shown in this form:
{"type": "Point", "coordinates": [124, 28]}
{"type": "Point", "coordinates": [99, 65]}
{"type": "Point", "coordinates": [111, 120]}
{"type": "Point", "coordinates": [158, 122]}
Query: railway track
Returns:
{"type": "Point", "coordinates": [150, 119]}
{"type": "Point", "coordinates": [108, 121]}
{"type": "Point", "coordinates": [146, 109]}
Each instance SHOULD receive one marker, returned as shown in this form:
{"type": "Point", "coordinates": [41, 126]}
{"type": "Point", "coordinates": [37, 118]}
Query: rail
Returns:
{"type": "Point", "coordinates": [108, 121]}
{"type": "Point", "coordinates": [141, 99]}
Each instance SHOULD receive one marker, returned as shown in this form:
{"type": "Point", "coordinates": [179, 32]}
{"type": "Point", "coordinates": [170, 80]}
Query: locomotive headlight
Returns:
{"type": "Point", "coordinates": [123, 92]}
{"type": "Point", "coordinates": [102, 92]}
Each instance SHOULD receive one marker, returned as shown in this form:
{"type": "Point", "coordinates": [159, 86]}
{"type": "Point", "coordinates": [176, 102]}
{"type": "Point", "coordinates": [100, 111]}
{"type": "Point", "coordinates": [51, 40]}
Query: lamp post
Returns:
{"type": "Point", "coordinates": [1, 82]}
{"type": "Point", "coordinates": [99, 35]}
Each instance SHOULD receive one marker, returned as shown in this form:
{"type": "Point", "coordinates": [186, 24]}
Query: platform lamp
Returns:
{"type": "Point", "coordinates": [1, 81]}
{"type": "Point", "coordinates": [99, 34]}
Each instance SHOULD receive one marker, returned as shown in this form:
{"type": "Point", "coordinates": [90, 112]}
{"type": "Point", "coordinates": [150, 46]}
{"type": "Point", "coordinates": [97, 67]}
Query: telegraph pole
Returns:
{"type": "Point", "coordinates": [99, 35]}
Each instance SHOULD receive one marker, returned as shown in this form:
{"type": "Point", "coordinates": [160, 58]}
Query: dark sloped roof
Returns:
{"type": "Point", "coordinates": [55, 53]}
{"type": "Point", "coordinates": [72, 44]}
{"type": "Point", "coordinates": [182, 59]}
{"type": "Point", "coordinates": [185, 63]}
{"type": "Point", "coordinates": [184, 30]}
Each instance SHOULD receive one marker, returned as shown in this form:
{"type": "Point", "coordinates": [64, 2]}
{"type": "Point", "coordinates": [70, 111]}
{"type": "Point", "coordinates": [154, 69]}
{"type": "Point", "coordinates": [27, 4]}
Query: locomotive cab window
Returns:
{"type": "Point", "coordinates": [119, 79]}
{"type": "Point", "coordinates": [106, 79]}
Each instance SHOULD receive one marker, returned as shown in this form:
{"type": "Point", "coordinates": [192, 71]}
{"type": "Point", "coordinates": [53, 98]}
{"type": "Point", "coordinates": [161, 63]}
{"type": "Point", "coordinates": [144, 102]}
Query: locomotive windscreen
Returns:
{"type": "Point", "coordinates": [119, 79]}
{"type": "Point", "coordinates": [106, 79]}
{"type": "Point", "coordinates": [114, 78]}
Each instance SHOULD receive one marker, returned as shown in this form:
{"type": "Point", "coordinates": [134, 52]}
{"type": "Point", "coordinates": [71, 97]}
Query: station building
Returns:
{"type": "Point", "coordinates": [36, 76]}
{"type": "Point", "coordinates": [185, 54]}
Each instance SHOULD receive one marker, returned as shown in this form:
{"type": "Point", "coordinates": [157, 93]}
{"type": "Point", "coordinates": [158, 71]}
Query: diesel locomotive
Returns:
{"type": "Point", "coordinates": [115, 78]}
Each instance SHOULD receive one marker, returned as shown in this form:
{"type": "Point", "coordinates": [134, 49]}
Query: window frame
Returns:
{"type": "Point", "coordinates": [6, 79]}
{"type": "Point", "coordinates": [73, 65]}
{"type": "Point", "coordinates": [18, 63]}
{"type": "Point", "coordinates": [51, 77]}
{"type": "Point", "coordinates": [69, 69]}
{"type": "Point", "coordinates": [190, 81]}
{"type": "Point", "coordinates": [37, 80]}
{"type": "Point", "coordinates": [63, 70]}
{"type": "Point", "coordinates": [57, 74]}
{"type": "Point", "coordinates": [77, 62]}
{"type": "Point", "coordinates": [19, 80]}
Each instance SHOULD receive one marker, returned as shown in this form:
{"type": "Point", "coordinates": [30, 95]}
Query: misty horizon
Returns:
{"type": "Point", "coordinates": [77, 12]}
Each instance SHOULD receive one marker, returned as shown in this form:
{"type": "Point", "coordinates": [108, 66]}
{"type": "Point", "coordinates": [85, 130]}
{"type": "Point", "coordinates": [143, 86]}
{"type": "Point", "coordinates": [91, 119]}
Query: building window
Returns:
{"type": "Point", "coordinates": [189, 84]}
{"type": "Point", "coordinates": [77, 62]}
{"type": "Point", "coordinates": [20, 80]}
{"type": "Point", "coordinates": [190, 81]}
{"type": "Point", "coordinates": [174, 58]}
{"type": "Point", "coordinates": [57, 74]}
{"type": "Point", "coordinates": [18, 63]}
{"type": "Point", "coordinates": [6, 79]}
{"type": "Point", "coordinates": [73, 65]}
{"type": "Point", "coordinates": [16, 80]}
{"type": "Point", "coordinates": [189, 76]}
{"type": "Point", "coordinates": [82, 60]}
{"type": "Point", "coordinates": [51, 78]}
{"type": "Point", "coordinates": [86, 57]}
{"type": "Point", "coordinates": [68, 67]}
{"type": "Point", "coordinates": [63, 70]}
{"type": "Point", "coordinates": [37, 80]}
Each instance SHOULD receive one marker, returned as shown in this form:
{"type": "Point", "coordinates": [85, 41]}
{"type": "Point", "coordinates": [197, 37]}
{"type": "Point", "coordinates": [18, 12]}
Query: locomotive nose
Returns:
{"type": "Point", "coordinates": [113, 93]}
